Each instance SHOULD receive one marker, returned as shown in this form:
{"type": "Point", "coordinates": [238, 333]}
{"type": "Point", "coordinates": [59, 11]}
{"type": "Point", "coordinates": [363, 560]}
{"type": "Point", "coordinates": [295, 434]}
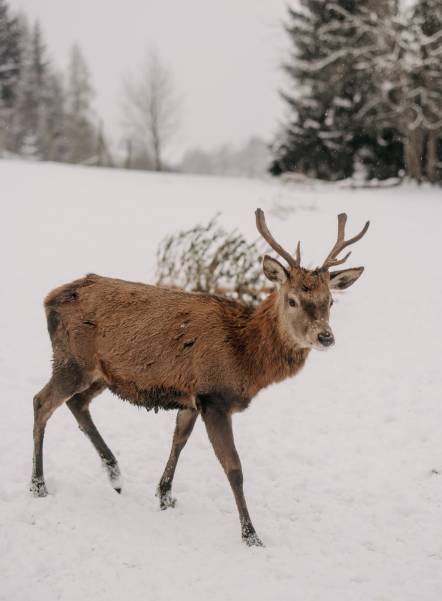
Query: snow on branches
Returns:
{"type": "Point", "coordinates": [369, 69]}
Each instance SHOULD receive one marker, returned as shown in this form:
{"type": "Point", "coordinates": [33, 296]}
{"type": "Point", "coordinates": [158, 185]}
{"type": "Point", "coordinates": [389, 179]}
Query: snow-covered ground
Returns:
{"type": "Point", "coordinates": [343, 464]}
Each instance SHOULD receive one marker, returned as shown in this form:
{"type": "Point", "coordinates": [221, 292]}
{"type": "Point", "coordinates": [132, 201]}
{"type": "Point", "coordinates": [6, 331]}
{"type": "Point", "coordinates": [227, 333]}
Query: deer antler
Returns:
{"type": "Point", "coordinates": [264, 231]}
{"type": "Point", "coordinates": [341, 243]}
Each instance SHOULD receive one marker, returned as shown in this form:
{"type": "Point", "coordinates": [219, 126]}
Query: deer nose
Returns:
{"type": "Point", "coordinates": [326, 338]}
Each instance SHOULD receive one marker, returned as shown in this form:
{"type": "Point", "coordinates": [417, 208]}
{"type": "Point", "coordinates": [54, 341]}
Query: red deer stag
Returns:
{"type": "Point", "coordinates": [198, 353]}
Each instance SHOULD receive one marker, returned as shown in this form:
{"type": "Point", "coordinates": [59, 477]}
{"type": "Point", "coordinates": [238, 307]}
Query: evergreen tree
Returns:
{"type": "Point", "coordinates": [300, 147]}
{"type": "Point", "coordinates": [426, 18]}
{"type": "Point", "coordinates": [332, 81]}
{"type": "Point", "coordinates": [9, 55]}
{"type": "Point", "coordinates": [38, 118]}
{"type": "Point", "coordinates": [50, 101]}
{"type": "Point", "coordinates": [39, 77]}
{"type": "Point", "coordinates": [376, 145]}
{"type": "Point", "coordinates": [37, 125]}
{"type": "Point", "coordinates": [406, 67]}
{"type": "Point", "coordinates": [22, 137]}
{"type": "Point", "coordinates": [9, 68]}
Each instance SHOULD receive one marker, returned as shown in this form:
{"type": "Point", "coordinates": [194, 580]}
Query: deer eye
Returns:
{"type": "Point", "coordinates": [292, 302]}
{"type": "Point", "coordinates": [331, 302]}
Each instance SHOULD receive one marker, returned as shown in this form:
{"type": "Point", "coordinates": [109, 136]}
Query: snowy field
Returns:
{"type": "Point", "coordinates": [342, 465]}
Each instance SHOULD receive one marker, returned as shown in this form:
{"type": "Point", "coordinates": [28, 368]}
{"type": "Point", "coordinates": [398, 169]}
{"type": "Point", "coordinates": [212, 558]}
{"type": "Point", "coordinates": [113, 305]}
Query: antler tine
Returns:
{"type": "Point", "coordinates": [341, 243]}
{"type": "Point", "coordinates": [342, 220]}
{"type": "Point", "coordinates": [265, 233]}
{"type": "Point", "coordinates": [298, 253]}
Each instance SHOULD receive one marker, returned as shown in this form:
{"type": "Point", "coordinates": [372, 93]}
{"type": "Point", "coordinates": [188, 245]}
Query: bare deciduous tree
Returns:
{"type": "Point", "coordinates": [81, 133]}
{"type": "Point", "coordinates": [151, 109]}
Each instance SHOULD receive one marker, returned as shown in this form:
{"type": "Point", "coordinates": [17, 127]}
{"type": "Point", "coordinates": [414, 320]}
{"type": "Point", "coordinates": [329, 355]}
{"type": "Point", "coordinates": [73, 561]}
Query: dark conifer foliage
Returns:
{"type": "Point", "coordinates": [427, 18]}
{"type": "Point", "coordinates": [9, 55]}
{"type": "Point", "coordinates": [328, 88]}
{"type": "Point", "coordinates": [364, 90]}
{"type": "Point", "coordinates": [9, 67]}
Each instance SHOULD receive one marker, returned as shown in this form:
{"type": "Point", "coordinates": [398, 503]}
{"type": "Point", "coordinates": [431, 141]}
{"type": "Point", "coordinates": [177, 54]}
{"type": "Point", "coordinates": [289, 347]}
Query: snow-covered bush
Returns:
{"type": "Point", "coordinates": [207, 258]}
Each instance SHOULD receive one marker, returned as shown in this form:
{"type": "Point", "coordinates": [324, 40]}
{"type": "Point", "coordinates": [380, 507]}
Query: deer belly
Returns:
{"type": "Point", "coordinates": [155, 397]}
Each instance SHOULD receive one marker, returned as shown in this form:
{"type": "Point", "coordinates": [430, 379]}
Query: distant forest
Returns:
{"type": "Point", "coordinates": [45, 114]}
{"type": "Point", "coordinates": [363, 99]}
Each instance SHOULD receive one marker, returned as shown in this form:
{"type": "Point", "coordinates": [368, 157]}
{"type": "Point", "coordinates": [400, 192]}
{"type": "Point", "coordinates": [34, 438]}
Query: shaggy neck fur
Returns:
{"type": "Point", "coordinates": [269, 356]}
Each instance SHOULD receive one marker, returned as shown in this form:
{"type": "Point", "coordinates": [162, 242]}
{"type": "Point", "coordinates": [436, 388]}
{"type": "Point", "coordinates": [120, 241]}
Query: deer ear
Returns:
{"type": "Point", "coordinates": [344, 278]}
{"type": "Point", "coordinates": [274, 271]}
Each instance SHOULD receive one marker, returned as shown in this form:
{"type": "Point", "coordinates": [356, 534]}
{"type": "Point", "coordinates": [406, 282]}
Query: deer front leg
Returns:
{"type": "Point", "coordinates": [219, 429]}
{"type": "Point", "coordinates": [185, 420]}
{"type": "Point", "coordinates": [79, 406]}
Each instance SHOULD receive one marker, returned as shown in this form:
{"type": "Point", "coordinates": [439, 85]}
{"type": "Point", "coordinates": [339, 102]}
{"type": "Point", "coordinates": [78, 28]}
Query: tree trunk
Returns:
{"type": "Point", "coordinates": [413, 154]}
{"type": "Point", "coordinates": [432, 156]}
{"type": "Point", "coordinates": [157, 151]}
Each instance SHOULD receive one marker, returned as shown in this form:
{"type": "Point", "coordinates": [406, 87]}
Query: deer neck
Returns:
{"type": "Point", "coordinates": [270, 355]}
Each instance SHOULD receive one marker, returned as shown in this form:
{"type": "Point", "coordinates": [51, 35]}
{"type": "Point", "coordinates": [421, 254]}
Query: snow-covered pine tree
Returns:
{"type": "Point", "coordinates": [376, 145]}
{"type": "Point", "coordinates": [22, 137]}
{"type": "Point", "coordinates": [9, 55]}
{"type": "Point", "coordinates": [426, 18]}
{"type": "Point", "coordinates": [331, 81]}
{"type": "Point", "coordinates": [40, 75]}
{"type": "Point", "coordinates": [81, 135]}
{"type": "Point", "coordinates": [37, 118]}
{"type": "Point", "coordinates": [405, 63]}
{"type": "Point", "coordinates": [9, 68]}
{"type": "Point", "coordinates": [37, 123]}
{"type": "Point", "coordinates": [299, 147]}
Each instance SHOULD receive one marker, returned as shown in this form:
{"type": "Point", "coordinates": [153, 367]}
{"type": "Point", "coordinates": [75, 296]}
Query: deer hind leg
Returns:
{"type": "Point", "coordinates": [79, 406]}
{"type": "Point", "coordinates": [219, 429]}
{"type": "Point", "coordinates": [67, 379]}
{"type": "Point", "coordinates": [185, 421]}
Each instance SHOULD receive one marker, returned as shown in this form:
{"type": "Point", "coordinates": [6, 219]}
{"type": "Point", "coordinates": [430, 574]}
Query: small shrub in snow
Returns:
{"type": "Point", "coordinates": [207, 258]}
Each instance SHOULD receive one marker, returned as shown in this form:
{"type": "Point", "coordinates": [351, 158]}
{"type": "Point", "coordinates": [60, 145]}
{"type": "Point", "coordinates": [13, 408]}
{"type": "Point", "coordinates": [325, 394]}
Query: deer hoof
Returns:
{"type": "Point", "coordinates": [250, 537]}
{"type": "Point", "coordinates": [38, 488]}
{"type": "Point", "coordinates": [114, 474]}
{"type": "Point", "coordinates": [167, 501]}
{"type": "Point", "coordinates": [253, 540]}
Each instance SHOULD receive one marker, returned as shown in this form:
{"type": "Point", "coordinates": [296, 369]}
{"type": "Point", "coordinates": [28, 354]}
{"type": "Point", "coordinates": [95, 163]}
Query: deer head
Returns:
{"type": "Point", "coordinates": [304, 296]}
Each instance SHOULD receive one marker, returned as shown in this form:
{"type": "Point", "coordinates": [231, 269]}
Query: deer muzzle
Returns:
{"type": "Point", "coordinates": [326, 338]}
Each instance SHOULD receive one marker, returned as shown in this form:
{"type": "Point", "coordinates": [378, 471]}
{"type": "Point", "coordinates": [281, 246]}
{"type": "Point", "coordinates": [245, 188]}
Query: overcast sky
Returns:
{"type": "Point", "coordinates": [224, 55]}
